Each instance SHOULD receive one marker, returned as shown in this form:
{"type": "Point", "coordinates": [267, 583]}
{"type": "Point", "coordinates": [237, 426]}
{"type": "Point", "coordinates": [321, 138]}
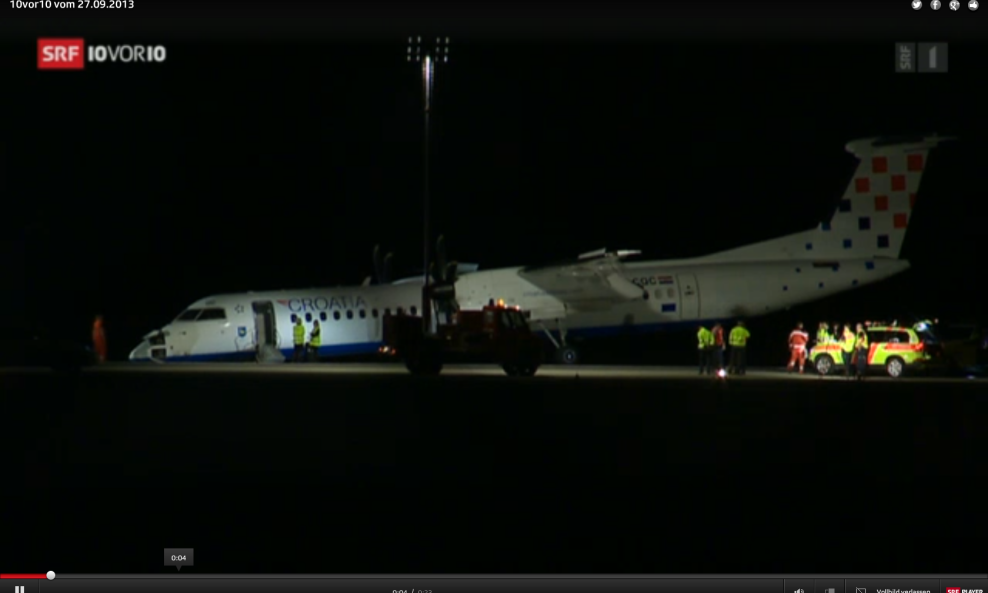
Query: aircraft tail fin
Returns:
{"type": "Point", "coordinates": [872, 216]}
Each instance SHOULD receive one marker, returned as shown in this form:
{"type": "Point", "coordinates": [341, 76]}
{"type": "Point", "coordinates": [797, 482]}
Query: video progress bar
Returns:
{"type": "Point", "coordinates": [189, 583]}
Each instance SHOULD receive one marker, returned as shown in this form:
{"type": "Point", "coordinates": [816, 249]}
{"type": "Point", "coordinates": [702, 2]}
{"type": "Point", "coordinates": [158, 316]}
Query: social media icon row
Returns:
{"type": "Point", "coordinates": [955, 5]}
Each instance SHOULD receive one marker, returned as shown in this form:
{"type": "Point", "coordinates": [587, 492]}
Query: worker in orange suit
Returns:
{"type": "Point", "coordinates": [99, 338]}
{"type": "Point", "coordinates": [797, 347]}
{"type": "Point", "coordinates": [719, 346]}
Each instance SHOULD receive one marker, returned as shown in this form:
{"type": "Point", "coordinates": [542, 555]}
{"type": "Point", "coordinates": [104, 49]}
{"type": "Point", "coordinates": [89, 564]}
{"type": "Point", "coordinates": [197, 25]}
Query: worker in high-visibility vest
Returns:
{"type": "Point", "coordinates": [861, 348]}
{"type": "Point", "coordinates": [847, 350]}
{"type": "Point", "coordinates": [705, 347]}
{"type": "Point", "coordinates": [315, 340]}
{"type": "Point", "coordinates": [823, 334]}
{"type": "Point", "coordinates": [739, 344]}
{"type": "Point", "coordinates": [299, 340]}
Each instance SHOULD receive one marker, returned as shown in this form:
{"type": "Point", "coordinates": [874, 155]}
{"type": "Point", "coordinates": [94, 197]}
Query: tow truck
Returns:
{"type": "Point", "coordinates": [496, 333]}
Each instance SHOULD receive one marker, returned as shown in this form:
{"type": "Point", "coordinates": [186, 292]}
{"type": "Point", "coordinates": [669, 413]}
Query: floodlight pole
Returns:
{"type": "Point", "coordinates": [428, 56]}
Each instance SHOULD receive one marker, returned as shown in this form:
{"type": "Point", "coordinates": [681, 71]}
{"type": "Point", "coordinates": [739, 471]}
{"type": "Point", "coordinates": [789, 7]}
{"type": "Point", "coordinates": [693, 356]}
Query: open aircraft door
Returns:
{"type": "Point", "coordinates": [266, 332]}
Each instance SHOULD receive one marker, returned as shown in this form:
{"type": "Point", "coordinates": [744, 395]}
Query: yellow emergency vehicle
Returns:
{"type": "Point", "coordinates": [890, 347]}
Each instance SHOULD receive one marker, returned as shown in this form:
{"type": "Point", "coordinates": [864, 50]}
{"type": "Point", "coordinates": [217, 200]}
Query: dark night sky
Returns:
{"type": "Point", "coordinates": [134, 190]}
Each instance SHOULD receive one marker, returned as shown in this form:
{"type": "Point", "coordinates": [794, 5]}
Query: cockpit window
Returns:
{"type": "Point", "coordinates": [212, 315]}
{"type": "Point", "coordinates": [189, 315]}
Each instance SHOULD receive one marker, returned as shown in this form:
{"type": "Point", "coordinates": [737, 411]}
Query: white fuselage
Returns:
{"type": "Point", "coordinates": [679, 292]}
{"type": "Point", "coordinates": [682, 292]}
{"type": "Point", "coordinates": [859, 244]}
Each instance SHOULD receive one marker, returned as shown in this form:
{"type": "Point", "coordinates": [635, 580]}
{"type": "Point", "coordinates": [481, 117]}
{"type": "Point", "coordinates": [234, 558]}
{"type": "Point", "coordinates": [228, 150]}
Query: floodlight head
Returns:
{"type": "Point", "coordinates": [438, 51]}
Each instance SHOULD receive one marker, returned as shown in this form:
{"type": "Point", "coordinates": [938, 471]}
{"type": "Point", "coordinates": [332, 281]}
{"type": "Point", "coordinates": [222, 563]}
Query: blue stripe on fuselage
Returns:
{"type": "Point", "coordinates": [358, 348]}
{"type": "Point", "coordinates": [249, 355]}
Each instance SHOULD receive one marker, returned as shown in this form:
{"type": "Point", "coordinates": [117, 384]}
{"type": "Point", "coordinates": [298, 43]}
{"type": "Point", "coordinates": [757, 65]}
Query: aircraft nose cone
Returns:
{"type": "Point", "coordinates": [142, 352]}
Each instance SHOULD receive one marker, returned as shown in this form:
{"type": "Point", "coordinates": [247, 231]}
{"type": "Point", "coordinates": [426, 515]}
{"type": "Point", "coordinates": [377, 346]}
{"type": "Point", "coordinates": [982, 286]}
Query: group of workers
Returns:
{"type": "Point", "coordinates": [712, 346]}
{"type": "Point", "coordinates": [854, 347]}
{"type": "Point", "coordinates": [306, 351]}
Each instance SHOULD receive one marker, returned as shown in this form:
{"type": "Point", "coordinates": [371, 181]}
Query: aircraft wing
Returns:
{"type": "Point", "coordinates": [595, 281]}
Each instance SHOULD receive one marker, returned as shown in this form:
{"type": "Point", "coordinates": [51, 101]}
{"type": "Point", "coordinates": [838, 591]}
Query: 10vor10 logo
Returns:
{"type": "Point", "coordinates": [73, 54]}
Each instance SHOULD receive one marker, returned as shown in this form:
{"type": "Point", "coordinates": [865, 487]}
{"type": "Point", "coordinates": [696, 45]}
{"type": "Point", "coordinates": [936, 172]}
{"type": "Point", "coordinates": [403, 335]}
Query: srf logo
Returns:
{"type": "Point", "coordinates": [953, 590]}
{"type": "Point", "coordinates": [61, 54]}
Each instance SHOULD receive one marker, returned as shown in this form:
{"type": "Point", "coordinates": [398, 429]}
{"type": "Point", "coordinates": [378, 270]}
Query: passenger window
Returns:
{"type": "Point", "coordinates": [294, 318]}
{"type": "Point", "coordinates": [349, 314]}
{"type": "Point", "coordinates": [336, 315]}
{"type": "Point", "coordinates": [414, 310]}
{"type": "Point", "coordinates": [400, 311]}
{"type": "Point", "coordinates": [322, 316]}
{"type": "Point", "coordinates": [363, 314]}
{"type": "Point", "coordinates": [189, 315]}
{"type": "Point", "coordinates": [387, 312]}
{"type": "Point", "coordinates": [877, 337]}
{"type": "Point", "coordinates": [308, 317]}
{"type": "Point", "coordinates": [374, 313]}
{"type": "Point", "coordinates": [212, 315]}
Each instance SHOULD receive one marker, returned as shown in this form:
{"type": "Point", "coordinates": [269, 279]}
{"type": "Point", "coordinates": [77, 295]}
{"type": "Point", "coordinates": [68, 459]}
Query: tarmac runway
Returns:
{"type": "Point", "coordinates": [479, 370]}
{"type": "Point", "coordinates": [364, 468]}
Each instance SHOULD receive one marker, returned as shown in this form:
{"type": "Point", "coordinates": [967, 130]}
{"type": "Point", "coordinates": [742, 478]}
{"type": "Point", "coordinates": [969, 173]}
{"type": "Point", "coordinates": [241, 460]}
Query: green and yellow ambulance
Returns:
{"type": "Point", "coordinates": [890, 347]}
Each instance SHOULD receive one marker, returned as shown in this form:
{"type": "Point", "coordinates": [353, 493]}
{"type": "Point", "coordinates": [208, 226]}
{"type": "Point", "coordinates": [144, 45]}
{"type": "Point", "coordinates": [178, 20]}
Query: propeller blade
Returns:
{"type": "Point", "coordinates": [386, 272]}
{"type": "Point", "coordinates": [378, 267]}
{"type": "Point", "coordinates": [451, 268]}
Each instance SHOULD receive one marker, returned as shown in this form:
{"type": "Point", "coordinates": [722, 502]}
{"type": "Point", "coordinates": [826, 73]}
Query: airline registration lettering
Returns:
{"type": "Point", "coordinates": [325, 304]}
{"type": "Point", "coordinates": [644, 281]}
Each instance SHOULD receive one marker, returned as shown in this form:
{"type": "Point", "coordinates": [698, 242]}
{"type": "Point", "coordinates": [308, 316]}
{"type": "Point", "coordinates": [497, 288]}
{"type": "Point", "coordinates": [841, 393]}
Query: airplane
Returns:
{"type": "Point", "coordinates": [600, 292]}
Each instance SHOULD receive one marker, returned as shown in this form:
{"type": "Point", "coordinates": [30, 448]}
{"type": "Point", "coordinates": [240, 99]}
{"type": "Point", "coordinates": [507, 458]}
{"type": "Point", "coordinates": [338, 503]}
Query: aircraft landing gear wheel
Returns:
{"type": "Point", "coordinates": [424, 360]}
{"type": "Point", "coordinates": [568, 355]}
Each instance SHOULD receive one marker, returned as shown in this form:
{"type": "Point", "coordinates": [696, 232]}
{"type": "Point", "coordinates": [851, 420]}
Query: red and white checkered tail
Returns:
{"type": "Point", "coordinates": [872, 217]}
{"type": "Point", "coordinates": [874, 212]}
